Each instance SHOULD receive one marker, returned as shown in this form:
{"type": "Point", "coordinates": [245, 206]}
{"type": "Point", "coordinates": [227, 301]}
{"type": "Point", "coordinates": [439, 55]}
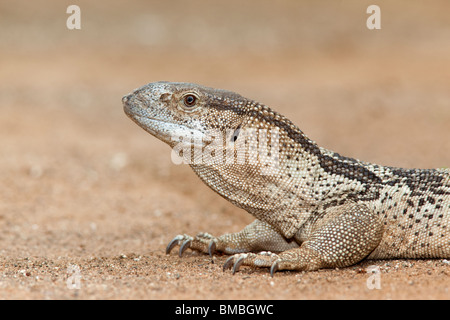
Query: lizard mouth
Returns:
{"type": "Point", "coordinates": [150, 124]}
{"type": "Point", "coordinates": [167, 131]}
{"type": "Point", "coordinates": [135, 113]}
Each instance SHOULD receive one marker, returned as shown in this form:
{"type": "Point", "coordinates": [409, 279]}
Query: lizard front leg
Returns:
{"type": "Point", "coordinates": [257, 236]}
{"type": "Point", "coordinates": [344, 236]}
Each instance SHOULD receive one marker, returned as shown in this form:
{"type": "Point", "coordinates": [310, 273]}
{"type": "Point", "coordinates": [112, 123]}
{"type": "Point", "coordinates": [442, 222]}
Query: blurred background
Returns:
{"type": "Point", "coordinates": [78, 178]}
{"type": "Point", "coordinates": [311, 61]}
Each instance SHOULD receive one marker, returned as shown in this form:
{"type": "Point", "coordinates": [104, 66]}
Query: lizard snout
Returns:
{"type": "Point", "coordinates": [127, 104]}
{"type": "Point", "coordinates": [125, 98]}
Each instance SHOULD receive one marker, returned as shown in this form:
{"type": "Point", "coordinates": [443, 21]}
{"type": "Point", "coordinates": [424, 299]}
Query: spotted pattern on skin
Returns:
{"type": "Point", "coordinates": [318, 209]}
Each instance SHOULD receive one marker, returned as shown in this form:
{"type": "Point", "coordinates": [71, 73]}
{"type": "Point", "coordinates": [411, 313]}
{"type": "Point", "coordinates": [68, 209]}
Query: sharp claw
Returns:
{"type": "Point", "coordinates": [172, 244]}
{"type": "Point", "coordinates": [186, 244]}
{"type": "Point", "coordinates": [273, 268]}
{"type": "Point", "coordinates": [212, 248]}
{"type": "Point", "coordinates": [237, 264]}
{"type": "Point", "coordinates": [228, 263]}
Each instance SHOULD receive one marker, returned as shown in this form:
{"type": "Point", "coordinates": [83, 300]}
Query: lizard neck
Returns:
{"type": "Point", "coordinates": [295, 184]}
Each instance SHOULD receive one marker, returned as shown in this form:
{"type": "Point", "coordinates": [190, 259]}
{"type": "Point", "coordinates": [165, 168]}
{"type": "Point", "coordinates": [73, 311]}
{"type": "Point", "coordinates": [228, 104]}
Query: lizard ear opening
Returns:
{"type": "Point", "coordinates": [235, 135]}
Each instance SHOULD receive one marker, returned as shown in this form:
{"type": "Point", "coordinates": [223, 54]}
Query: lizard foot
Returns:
{"type": "Point", "coordinates": [262, 259]}
{"type": "Point", "coordinates": [300, 259]}
{"type": "Point", "coordinates": [256, 237]}
{"type": "Point", "coordinates": [203, 242]}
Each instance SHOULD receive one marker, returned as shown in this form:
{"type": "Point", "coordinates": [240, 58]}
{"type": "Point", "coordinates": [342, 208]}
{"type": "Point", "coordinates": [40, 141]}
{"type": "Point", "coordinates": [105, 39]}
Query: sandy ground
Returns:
{"type": "Point", "coordinates": [89, 201]}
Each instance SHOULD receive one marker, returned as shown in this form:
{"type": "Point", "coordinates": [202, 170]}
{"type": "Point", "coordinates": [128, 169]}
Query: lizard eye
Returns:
{"type": "Point", "coordinates": [190, 100]}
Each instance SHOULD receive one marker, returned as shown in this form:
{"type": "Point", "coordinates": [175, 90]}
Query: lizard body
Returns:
{"type": "Point", "coordinates": [313, 207]}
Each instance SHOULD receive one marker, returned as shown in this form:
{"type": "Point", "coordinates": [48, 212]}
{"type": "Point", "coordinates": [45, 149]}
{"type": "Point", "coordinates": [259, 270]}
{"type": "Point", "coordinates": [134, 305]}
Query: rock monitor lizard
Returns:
{"type": "Point", "coordinates": [313, 207]}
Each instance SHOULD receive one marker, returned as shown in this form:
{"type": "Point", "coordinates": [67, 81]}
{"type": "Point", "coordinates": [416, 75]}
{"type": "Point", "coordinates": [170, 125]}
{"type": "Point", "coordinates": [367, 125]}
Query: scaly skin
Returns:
{"type": "Point", "coordinates": [314, 208]}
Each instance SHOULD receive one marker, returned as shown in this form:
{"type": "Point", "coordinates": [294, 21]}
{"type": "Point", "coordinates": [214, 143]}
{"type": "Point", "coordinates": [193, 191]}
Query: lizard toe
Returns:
{"type": "Point", "coordinates": [184, 246]}
{"type": "Point", "coordinates": [238, 263]}
{"type": "Point", "coordinates": [212, 248]}
{"type": "Point", "coordinates": [234, 262]}
{"type": "Point", "coordinates": [173, 243]}
{"type": "Point", "coordinates": [274, 268]}
{"type": "Point", "coordinates": [181, 238]}
{"type": "Point", "coordinates": [228, 263]}
{"type": "Point", "coordinates": [257, 260]}
{"type": "Point", "coordinates": [202, 242]}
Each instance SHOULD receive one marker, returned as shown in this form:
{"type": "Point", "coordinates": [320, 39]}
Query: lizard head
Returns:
{"type": "Point", "coordinates": [169, 110]}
